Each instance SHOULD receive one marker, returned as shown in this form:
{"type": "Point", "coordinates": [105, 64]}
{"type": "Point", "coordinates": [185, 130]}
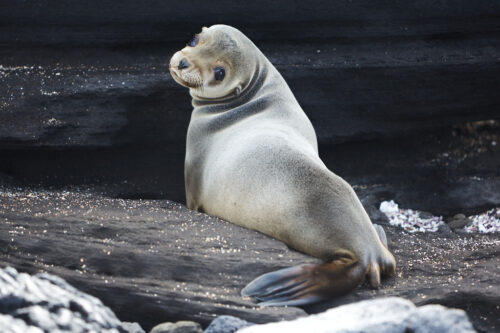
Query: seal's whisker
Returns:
{"type": "Point", "coordinates": [199, 83]}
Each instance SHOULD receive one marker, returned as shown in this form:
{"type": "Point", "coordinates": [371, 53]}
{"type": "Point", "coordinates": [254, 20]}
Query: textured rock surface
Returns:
{"type": "Point", "coordinates": [226, 324]}
{"type": "Point", "coordinates": [458, 221]}
{"type": "Point", "coordinates": [50, 304]}
{"type": "Point", "coordinates": [397, 92]}
{"type": "Point", "coordinates": [178, 327]}
{"type": "Point", "coordinates": [182, 265]}
{"type": "Point", "coordinates": [85, 95]}
{"type": "Point", "coordinates": [9, 324]}
{"type": "Point", "coordinates": [132, 327]}
{"type": "Point", "coordinates": [389, 315]}
{"type": "Point", "coordinates": [177, 264]}
{"type": "Point", "coordinates": [97, 21]}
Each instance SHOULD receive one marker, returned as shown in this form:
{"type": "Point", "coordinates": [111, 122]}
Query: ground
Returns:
{"type": "Point", "coordinates": [179, 264]}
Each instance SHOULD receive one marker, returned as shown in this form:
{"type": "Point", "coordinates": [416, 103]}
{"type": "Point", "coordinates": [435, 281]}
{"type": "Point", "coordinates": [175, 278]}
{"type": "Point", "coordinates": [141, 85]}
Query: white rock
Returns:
{"type": "Point", "coordinates": [388, 315]}
{"type": "Point", "coordinates": [183, 326]}
{"type": "Point", "coordinates": [47, 303]}
{"type": "Point", "coordinates": [388, 207]}
{"type": "Point", "coordinates": [13, 325]}
{"type": "Point", "coordinates": [409, 219]}
{"type": "Point", "coordinates": [486, 222]}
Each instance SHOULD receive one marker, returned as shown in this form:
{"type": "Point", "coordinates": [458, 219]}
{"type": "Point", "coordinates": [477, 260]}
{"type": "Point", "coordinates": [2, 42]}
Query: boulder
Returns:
{"type": "Point", "coordinates": [389, 315]}
{"type": "Point", "coordinates": [178, 327]}
{"type": "Point", "coordinates": [46, 303]}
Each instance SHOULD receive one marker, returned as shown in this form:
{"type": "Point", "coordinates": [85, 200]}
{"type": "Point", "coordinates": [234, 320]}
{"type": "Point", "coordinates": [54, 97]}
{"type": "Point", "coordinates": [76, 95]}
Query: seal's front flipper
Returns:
{"type": "Point", "coordinates": [306, 284]}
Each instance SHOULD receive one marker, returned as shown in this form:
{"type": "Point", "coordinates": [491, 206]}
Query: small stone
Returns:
{"type": "Point", "coordinates": [409, 219]}
{"type": "Point", "coordinates": [388, 207]}
{"type": "Point", "coordinates": [132, 327]}
{"type": "Point", "coordinates": [376, 215]}
{"type": "Point", "coordinates": [226, 324]}
{"type": "Point", "coordinates": [426, 215]}
{"type": "Point", "coordinates": [458, 222]}
{"type": "Point", "coordinates": [444, 228]}
{"type": "Point", "coordinates": [178, 327]}
{"type": "Point", "coordinates": [460, 231]}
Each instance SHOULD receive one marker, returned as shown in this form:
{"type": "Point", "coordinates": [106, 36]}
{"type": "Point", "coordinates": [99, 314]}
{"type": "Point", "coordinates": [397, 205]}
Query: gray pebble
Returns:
{"type": "Point", "coordinates": [444, 228]}
{"type": "Point", "coordinates": [226, 324]}
{"type": "Point", "coordinates": [426, 215]}
{"type": "Point", "coordinates": [458, 221]}
{"type": "Point", "coordinates": [132, 327]}
{"type": "Point", "coordinates": [178, 327]}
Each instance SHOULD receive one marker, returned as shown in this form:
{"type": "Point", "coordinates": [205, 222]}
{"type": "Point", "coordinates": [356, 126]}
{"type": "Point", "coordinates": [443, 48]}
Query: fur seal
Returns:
{"type": "Point", "coordinates": [252, 159]}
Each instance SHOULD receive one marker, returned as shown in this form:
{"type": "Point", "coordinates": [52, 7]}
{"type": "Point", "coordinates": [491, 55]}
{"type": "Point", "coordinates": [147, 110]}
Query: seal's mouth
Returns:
{"type": "Point", "coordinates": [189, 79]}
{"type": "Point", "coordinates": [177, 78]}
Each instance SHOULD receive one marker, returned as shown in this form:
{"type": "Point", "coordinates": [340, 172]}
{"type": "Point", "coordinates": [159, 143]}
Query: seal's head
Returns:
{"type": "Point", "coordinates": [217, 63]}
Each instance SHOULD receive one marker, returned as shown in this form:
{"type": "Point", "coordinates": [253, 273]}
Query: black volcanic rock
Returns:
{"type": "Point", "coordinates": [86, 98]}
{"type": "Point", "coordinates": [182, 265]}
{"type": "Point", "coordinates": [174, 263]}
{"type": "Point", "coordinates": [357, 90]}
{"type": "Point", "coordinates": [152, 21]}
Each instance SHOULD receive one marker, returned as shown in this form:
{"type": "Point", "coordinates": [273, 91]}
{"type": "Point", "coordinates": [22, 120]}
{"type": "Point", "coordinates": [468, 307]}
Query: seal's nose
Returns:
{"type": "Point", "coordinates": [183, 64]}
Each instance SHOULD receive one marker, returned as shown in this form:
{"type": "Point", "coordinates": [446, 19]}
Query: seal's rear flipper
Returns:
{"type": "Point", "coordinates": [306, 284]}
{"type": "Point", "coordinates": [381, 234]}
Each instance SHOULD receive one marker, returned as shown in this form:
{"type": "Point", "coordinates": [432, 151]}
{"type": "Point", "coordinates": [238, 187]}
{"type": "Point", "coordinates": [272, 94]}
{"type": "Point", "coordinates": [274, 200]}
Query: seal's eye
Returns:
{"type": "Point", "coordinates": [193, 42]}
{"type": "Point", "coordinates": [219, 73]}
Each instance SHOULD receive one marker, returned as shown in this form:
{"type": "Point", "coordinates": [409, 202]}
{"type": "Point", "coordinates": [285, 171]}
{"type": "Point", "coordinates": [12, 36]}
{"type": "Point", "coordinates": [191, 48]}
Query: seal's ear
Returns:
{"type": "Point", "coordinates": [237, 90]}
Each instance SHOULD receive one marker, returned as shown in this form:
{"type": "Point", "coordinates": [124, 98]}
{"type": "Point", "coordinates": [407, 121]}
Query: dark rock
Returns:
{"type": "Point", "coordinates": [86, 96]}
{"type": "Point", "coordinates": [104, 22]}
{"type": "Point", "coordinates": [389, 315]}
{"type": "Point", "coordinates": [444, 228]}
{"type": "Point", "coordinates": [426, 215]}
{"type": "Point", "coordinates": [183, 265]}
{"type": "Point", "coordinates": [48, 303]}
{"type": "Point", "coordinates": [226, 324]}
{"type": "Point", "coordinates": [399, 105]}
{"type": "Point", "coordinates": [178, 327]}
{"type": "Point", "coordinates": [371, 203]}
{"type": "Point", "coordinates": [458, 221]}
{"type": "Point", "coordinates": [177, 264]}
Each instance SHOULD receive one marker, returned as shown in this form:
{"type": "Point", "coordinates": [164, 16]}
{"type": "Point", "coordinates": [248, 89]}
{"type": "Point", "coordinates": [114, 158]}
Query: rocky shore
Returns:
{"type": "Point", "coordinates": [403, 97]}
{"type": "Point", "coordinates": [46, 303]}
{"type": "Point", "coordinates": [154, 261]}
